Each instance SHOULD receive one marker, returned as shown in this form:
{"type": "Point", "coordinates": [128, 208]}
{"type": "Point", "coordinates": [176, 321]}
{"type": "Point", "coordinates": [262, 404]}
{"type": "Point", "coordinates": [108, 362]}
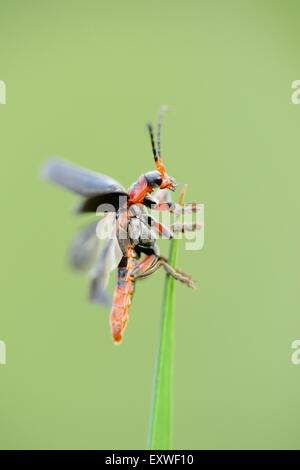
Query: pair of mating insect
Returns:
{"type": "Point", "coordinates": [127, 227]}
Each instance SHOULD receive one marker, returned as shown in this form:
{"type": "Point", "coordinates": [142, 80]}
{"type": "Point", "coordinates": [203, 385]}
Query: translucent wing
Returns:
{"type": "Point", "coordinates": [163, 195]}
{"type": "Point", "coordinates": [80, 181]}
{"type": "Point", "coordinates": [107, 261]}
{"type": "Point", "coordinates": [85, 247]}
{"type": "Point", "coordinates": [160, 196]}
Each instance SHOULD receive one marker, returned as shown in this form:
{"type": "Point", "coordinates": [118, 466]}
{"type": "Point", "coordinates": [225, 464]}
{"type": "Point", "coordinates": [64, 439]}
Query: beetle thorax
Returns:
{"type": "Point", "coordinates": [139, 230]}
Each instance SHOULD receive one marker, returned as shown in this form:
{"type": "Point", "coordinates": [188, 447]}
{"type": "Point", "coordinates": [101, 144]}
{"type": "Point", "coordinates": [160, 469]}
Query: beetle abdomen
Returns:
{"type": "Point", "coordinates": [120, 305]}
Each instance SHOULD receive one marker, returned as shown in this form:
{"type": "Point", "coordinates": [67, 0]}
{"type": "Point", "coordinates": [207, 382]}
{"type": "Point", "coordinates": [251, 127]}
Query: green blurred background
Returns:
{"type": "Point", "coordinates": [83, 78]}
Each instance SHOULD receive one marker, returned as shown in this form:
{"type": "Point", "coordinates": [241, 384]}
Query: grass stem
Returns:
{"type": "Point", "coordinates": [160, 433]}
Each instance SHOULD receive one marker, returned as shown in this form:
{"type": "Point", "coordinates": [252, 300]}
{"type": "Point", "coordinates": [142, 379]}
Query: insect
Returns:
{"type": "Point", "coordinates": [130, 233]}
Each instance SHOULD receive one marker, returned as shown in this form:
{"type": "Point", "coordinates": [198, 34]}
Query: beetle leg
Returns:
{"type": "Point", "coordinates": [177, 274]}
{"type": "Point", "coordinates": [173, 207]}
{"type": "Point", "coordinates": [161, 229]}
{"type": "Point", "coordinates": [185, 227]}
{"type": "Point", "coordinates": [150, 264]}
{"type": "Point", "coordinates": [145, 267]}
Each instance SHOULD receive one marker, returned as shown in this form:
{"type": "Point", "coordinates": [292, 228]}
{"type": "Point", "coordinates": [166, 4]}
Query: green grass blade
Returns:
{"type": "Point", "coordinates": [160, 433]}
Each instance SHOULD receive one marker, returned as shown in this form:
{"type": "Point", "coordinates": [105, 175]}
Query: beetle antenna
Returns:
{"type": "Point", "coordinates": [162, 111]}
{"type": "Point", "coordinates": [150, 129]}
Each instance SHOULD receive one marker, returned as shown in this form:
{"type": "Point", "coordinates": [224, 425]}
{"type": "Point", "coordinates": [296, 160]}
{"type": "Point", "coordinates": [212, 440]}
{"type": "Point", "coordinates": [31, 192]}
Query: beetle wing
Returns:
{"type": "Point", "coordinates": [85, 247]}
{"type": "Point", "coordinates": [79, 180]}
{"type": "Point", "coordinates": [107, 261]}
{"type": "Point", "coordinates": [110, 203]}
{"type": "Point", "coordinates": [163, 195]}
